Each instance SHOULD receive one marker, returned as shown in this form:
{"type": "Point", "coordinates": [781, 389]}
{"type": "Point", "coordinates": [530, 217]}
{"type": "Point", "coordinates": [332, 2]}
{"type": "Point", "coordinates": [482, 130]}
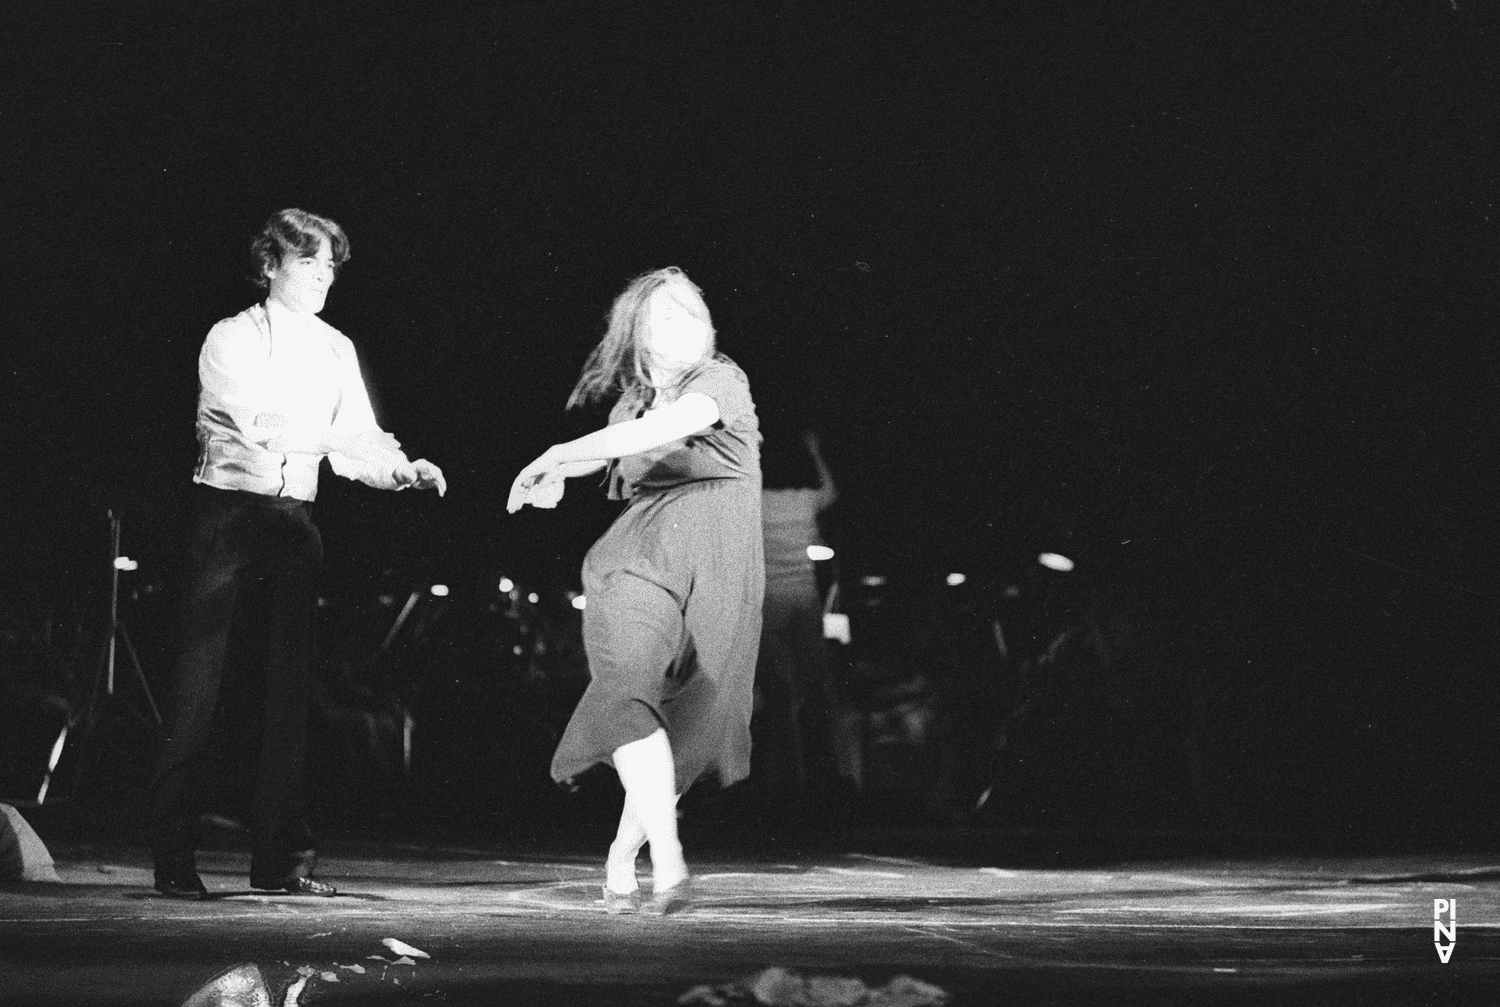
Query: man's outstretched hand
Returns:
{"type": "Point", "coordinates": [420, 474]}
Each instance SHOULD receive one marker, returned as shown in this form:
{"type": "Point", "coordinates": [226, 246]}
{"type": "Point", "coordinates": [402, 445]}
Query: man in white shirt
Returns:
{"type": "Point", "coordinates": [279, 391]}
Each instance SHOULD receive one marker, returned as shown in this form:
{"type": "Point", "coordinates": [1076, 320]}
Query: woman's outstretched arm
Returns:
{"type": "Point", "coordinates": [688, 415]}
{"type": "Point", "coordinates": [571, 470]}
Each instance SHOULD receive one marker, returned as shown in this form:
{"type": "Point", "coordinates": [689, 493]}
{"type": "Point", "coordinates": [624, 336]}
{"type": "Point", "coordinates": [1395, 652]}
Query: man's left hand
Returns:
{"type": "Point", "coordinates": [421, 474]}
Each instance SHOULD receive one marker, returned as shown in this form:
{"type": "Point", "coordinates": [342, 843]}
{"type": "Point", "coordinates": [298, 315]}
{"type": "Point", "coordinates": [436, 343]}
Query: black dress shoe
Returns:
{"type": "Point", "coordinates": [310, 886]}
{"type": "Point", "coordinates": [177, 878]}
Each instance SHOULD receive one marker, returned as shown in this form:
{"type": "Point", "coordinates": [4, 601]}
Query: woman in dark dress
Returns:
{"type": "Point", "coordinates": [674, 587]}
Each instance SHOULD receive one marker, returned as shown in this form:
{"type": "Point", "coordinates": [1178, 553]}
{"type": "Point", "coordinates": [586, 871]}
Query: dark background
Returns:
{"type": "Point", "coordinates": [1202, 295]}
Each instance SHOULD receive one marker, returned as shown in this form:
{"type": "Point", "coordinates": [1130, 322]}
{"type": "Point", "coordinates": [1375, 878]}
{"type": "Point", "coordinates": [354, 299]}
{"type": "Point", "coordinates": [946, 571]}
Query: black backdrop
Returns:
{"type": "Point", "coordinates": [1203, 294]}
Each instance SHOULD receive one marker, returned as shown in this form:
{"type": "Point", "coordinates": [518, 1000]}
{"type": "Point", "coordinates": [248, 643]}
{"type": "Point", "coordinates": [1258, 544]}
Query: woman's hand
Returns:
{"type": "Point", "coordinates": [547, 492]}
{"type": "Point", "coordinates": [538, 484]}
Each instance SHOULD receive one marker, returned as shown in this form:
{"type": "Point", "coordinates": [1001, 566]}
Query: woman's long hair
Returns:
{"type": "Point", "coordinates": [618, 365]}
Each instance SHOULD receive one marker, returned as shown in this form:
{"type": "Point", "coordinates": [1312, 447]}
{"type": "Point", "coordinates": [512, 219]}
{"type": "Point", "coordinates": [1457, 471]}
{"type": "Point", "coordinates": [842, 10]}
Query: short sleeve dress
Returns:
{"type": "Point", "coordinates": [674, 591]}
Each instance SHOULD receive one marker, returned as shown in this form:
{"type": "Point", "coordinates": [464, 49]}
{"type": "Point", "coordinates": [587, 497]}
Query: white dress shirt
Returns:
{"type": "Point", "coordinates": [268, 371]}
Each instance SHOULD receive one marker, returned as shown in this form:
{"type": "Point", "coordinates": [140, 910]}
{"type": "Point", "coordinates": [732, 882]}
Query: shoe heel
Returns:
{"type": "Point", "coordinates": [679, 898]}
{"type": "Point", "coordinates": [616, 904]}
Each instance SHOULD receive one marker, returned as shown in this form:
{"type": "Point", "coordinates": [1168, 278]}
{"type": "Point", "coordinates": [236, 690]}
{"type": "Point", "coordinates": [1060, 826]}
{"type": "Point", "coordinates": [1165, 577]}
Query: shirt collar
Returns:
{"type": "Point", "coordinates": [285, 320]}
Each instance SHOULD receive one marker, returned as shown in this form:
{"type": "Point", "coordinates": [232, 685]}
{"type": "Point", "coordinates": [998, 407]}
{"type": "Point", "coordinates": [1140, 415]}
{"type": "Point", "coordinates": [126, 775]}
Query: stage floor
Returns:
{"type": "Point", "coordinates": [520, 928]}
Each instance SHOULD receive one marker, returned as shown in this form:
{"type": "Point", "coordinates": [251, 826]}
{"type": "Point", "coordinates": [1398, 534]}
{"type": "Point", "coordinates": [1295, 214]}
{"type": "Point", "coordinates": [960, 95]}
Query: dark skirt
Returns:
{"type": "Point", "coordinates": [671, 629]}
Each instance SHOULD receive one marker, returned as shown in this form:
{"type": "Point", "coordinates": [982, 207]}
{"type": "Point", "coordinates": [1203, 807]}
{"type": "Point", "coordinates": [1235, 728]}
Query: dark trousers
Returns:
{"type": "Point", "coordinates": [250, 578]}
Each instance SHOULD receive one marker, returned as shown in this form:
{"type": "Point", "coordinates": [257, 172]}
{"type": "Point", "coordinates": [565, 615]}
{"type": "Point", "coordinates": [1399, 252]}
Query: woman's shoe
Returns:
{"type": "Point", "coordinates": [672, 900]}
{"type": "Point", "coordinates": [617, 904]}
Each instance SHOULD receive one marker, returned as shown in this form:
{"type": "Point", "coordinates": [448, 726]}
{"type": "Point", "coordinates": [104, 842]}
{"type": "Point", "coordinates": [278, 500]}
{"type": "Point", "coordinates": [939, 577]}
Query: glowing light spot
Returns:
{"type": "Point", "coordinates": [873, 580]}
{"type": "Point", "coordinates": [126, 563]}
{"type": "Point", "coordinates": [533, 597]}
{"type": "Point", "coordinates": [955, 579]}
{"type": "Point", "coordinates": [1055, 561]}
{"type": "Point", "coordinates": [819, 552]}
{"type": "Point", "coordinates": [580, 602]}
{"type": "Point", "coordinates": [439, 590]}
{"type": "Point", "coordinates": [836, 627]}
{"type": "Point", "coordinates": [507, 585]}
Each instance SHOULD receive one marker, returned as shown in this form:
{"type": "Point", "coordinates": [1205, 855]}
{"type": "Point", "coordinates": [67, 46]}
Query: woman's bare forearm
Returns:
{"type": "Point", "coordinates": [571, 470]}
{"type": "Point", "coordinates": [686, 416]}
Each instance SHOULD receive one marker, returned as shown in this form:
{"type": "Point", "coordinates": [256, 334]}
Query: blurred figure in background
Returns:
{"type": "Point", "coordinates": [804, 733]}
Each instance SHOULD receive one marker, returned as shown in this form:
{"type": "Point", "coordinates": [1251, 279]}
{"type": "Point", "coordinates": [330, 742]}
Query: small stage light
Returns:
{"type": "Point", "coordinates": [955, 579]}
{"type": "Point", "coordinates": [819, 552]}
{"type": "Point", "coordinates": [507, 585]}
{"type": "Point", "coordinates": [533, 597]}
{"type": "Point", "coordinates": [580, 602]}
{"type": "Point", "coordinates": [126, 563]}
{"type": "Point", "coordinates": [1055, 561]}
{"type": "Point", "coordinates": [836, 627]}
{"type": "Point", "coordinates": [873, 580]}
{"type": "Point", "coordinates": [439, 590]}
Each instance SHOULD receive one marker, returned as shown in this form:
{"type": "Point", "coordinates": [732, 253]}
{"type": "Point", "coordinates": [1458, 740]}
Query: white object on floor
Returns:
{"type": "Point", "coordinates": [23, 857]}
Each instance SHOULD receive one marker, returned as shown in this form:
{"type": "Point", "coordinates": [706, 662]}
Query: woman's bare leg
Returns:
{"type": "Point", "coordinates": [650, 778]}
{"type": "Point", "coordinates": [619, 869]}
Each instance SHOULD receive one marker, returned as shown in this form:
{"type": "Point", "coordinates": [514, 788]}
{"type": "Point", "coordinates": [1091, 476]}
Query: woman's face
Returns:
{"type": "Point", "coordinates": [677, 334]}
{"type": "Point", "coordinates": [301, 282]}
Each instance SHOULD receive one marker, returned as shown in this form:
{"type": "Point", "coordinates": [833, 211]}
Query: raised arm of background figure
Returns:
{"type": "Point", "coordinates": [828, 491]}
{"type": "Point", "coordinates": [688, 415]}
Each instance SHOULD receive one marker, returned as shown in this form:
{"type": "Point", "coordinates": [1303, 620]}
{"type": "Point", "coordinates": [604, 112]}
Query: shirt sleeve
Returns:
{"type": "Point", "coordinates": [378, 476]}
{"type": "Point", "coordinates": [355, 415]}
{"type": "Point", "coordinates": [727, 385]}
{"type": "Point", "coordinates": [234, 375]}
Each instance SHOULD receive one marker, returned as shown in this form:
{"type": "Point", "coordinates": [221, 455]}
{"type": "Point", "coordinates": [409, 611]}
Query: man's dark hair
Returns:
{"type": "Point", "coordinates": [296, 233]}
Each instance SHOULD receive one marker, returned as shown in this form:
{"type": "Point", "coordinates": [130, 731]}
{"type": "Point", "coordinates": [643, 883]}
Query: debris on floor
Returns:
{"type": "Point", "coordinates": [240, 986]}
{"type": "Point", "coordinates": [779, 987]}
{"type": "Point", "coordinates": [402, 948]}
{"type": "Point", "coordinates": [294, 991]}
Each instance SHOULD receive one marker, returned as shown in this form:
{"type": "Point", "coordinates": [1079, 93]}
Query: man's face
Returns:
{"type": "Point", "coordinates": [301, 282]}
